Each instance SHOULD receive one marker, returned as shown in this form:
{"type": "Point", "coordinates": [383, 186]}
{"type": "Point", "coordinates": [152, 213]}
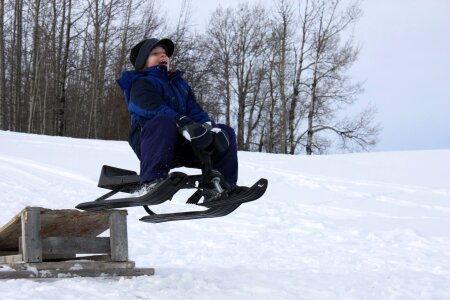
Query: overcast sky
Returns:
{"type": "Point", "coordinates": [404, 62]}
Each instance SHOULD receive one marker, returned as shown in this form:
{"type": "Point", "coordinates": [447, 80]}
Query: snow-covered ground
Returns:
{"type": "Point", "coordinates": [356, 226]}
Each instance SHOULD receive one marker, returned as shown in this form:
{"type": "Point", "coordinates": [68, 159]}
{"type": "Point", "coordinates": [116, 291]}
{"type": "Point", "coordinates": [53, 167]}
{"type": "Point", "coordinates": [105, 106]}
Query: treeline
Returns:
{"type": "Point", "coordinates": [279, 76]}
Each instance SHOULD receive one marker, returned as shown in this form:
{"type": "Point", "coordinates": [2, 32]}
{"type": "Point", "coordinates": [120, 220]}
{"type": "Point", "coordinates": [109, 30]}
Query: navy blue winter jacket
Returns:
{"type": "Point", "coordinates": [154, 92]}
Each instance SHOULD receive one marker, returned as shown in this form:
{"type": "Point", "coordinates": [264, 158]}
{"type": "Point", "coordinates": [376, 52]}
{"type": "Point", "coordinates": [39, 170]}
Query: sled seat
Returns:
{"type": "Point", "coordinates": [113, 178]}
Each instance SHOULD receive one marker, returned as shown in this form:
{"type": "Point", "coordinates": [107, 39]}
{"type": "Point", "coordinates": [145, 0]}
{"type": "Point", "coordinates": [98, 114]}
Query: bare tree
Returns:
{"type": "Point", "coordinates": [331, 89]}
{"type": "Point", "coordinates": [281, 32]}
{"type": "Point", "coordinates": [3, 103]}
{"type": "Point", "coordinates": [280, 77]}
{"type": "Point", "coordinates": [94, 96]}
{"type": "Point", "coordinates": [250, 28]}
{"type": "Point", "coordinates": [306, 19]}
{"type": "Point", "coordinates": [272, 127]}
{"type": "Point", "coordinates": [102, 16]}
{"type": "Point", "coordinates": [35, 65]}
{"type": "Point", "coordinates": [124, 38]}
{"type": "Point", "coordinates": [256, 105]}
{"type": "Point", "coordinates": [16, 66]}
{"type": "Point", "coordinates": [60, 124]}
{"type": "Point", "coordinates": [218, 42]}
{"type": "Point", "coordinates": [151, 22]}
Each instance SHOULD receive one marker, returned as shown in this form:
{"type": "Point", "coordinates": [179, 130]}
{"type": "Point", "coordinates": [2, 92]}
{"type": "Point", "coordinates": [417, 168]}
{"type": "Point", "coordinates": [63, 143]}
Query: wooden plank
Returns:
{"type": "Point", "coordinates": [16, 274]}
{"type": "Point", "coordinates": [64, 222]}
{"type": "Point", "coordinates": [48, 256]}
{"type": "Point", "coordinates": [72, 265]}
{"type": "Point", "coordinates": [10, 233]}
{"type": "Point", "coordinates": [78, 245]}
{"type": "Point", "coordinates": [118, 235]}
{"type": "Point", "coordinates": [11, 258]}
{"type": "Point", "coordinates": [77, 273]}
{"type": "Point", "coordinates": [31, 235]}
{"type": "Point", "coordinates": [96, 273]}
{"type": "Point", "coordinates": [69, 222]}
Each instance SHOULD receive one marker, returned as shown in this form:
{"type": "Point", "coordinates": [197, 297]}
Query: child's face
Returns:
{"type": "Point", "coordinates": [157, 57]}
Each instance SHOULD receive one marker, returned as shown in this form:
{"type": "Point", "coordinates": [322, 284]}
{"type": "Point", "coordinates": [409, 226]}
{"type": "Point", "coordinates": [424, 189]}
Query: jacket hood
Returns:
{"type": "Point", "coordinates": [126, 79]}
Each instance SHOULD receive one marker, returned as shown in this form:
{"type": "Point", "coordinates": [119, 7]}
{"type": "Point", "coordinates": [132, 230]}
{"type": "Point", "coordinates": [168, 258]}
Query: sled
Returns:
{"type": "Point", "coordinates": [211, 192]}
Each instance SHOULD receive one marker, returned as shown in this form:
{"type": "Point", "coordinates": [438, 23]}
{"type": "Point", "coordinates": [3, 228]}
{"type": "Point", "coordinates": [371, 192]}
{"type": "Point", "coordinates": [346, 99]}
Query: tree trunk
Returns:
{"type": "Point", "coordinates": [3, 103]}
{"type": "Point", "coordinates": [271, 126]}
{"type": "Point", "coordinates": [35, 66]}
{"type": "Point", "coordinates": [311, 112]}
{"type": "Point", "coordinates": [241, 116]}
{"type": "Point", "coordinates": [282, 76]}
{"type": "Point", "coordinates": [124, 41]}
{"type": "Point", "coordinates": [16, 66]}
{"type": "Point", "coordinates": [101, 125]}
{"type": "Point", "coordinates": [95, 71]}
{"type": "Point", "coordinates": [298, 81]}
{"type": "Point", "coordinates": [227, 90]}
{"type": "Point", "coordinates": [60, 121]}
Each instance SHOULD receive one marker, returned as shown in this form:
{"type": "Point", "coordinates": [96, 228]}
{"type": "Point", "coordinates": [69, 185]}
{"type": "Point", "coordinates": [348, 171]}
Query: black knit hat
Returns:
{"type": "Point", "coordinates": [140, 52]}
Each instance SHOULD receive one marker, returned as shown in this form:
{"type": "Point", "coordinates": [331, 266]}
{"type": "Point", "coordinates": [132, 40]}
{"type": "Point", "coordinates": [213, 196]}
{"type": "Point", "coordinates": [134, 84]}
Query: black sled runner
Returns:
{"type": "Point", "coordinates": [211, 192]}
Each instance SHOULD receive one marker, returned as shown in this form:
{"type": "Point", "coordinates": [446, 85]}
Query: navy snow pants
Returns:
{"type": "Point", "coordinates": [164, 148]}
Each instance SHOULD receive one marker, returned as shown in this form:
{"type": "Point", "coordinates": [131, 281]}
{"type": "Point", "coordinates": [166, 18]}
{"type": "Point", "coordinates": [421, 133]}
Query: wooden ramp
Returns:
{"type": "Point", "coordinates": [41, 242]}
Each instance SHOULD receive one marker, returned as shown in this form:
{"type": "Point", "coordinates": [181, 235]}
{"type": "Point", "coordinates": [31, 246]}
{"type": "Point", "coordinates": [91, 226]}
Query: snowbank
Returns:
{"type": "Point", "coordinates": [356, 226]}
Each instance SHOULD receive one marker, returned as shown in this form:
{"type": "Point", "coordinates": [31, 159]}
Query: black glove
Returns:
{"type": "Point", "coordinates": [221, 141]}
{"type": "Point", "coordinates": [197, 134]}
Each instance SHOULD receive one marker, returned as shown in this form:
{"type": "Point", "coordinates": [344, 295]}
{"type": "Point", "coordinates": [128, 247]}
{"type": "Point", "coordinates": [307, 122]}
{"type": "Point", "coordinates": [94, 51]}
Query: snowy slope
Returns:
{"type": "Point", "coordinates": [356, 226]}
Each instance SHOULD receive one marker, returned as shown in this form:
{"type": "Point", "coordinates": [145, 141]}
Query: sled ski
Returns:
{"type": "Point", "coordinates": [215, 212]}
{"type": "Point", "coordinates": [217, 208]}
{"type": "Point", "coordinates": [211, 192]}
